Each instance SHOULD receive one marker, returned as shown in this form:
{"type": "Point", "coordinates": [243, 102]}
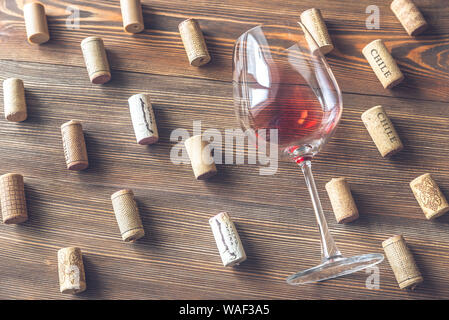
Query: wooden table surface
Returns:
{"type": "Point", "coordinates": [178, 258]}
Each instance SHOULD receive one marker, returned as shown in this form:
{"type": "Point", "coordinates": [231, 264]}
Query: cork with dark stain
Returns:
{"type": "Point", "coordinates": [143, 119]}
{"type": "Point", "coordinates": [146, 121]}
{"type": "Point", "coordinates": [227, 239]}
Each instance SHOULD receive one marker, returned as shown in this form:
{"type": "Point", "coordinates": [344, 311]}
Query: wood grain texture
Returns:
{"type": "Point", "coordinates": [158, 50]}
{"type": "Point", "coordinates": [178, 259]}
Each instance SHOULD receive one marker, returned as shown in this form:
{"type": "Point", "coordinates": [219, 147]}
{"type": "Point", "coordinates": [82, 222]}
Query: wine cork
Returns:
{"type": "Point", "coordinates": [36, 23]}
{"type": "Point", "coordinates": [74, 145]}
{"type": "Point", "coordinates": [12, 197]}
{"type": "Point", "coordinates": [194, 43]}
{"type": "Point", "coordinates": [429, 196]}
{"type": "Point", "coordinates": [96, 60]}
{"type": "Point", "coordinates": [228, 241]}
{"type": "Point", "coordinates": [402, 262]}
{"type": "Point", "coordinates": [383, 64]}
{"type": "Point", "coordinates": [14, 100]}
{"type": "Point", "coordinates": [72, 279]}
{"type": "Point", "coordinates": [342, 201]}
{"type": "Point", "coordinates": [409, 15]}
{"type": "Point", "coordinates": [132, 16]}
{"type": "Point", "coordinates": [314, 22]}
{"type": "Point", "coordinates": [199, 152]}
{"type": "Point", "coordinates": [382, 131]}
{"type": "Point", "coordinates": [143, 119]}
{"type": "Point", "coordinates": [127, 215]}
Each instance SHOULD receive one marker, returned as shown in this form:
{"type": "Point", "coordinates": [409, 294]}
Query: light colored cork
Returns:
{"type": "Point", "coordinates": [96, 60]}
{"type": "Point", "coordinates": [14, 100]}
{"type": "Point", "coordinates": [383, 64]}
{"type": "Point", "coordinates": [402, 262]}
{"type": "Point", "coordinates": [429, 196]}
{"type": "Point", "coordinates": [142, 116]}
{"type": "Point", "coordinates": [313, 20]}
{"type": "Point", "coordinates": [342, 202]}
{"type": "Point", "coordinates": [194, 43]}
{"type": "Point", "coordinates": [199, 152]}
{"type": "Point", "coordinates": [75, 151]}
{"type": "Point", "coordinates": [36, 23]}
{"type": "Point", "coordinates": [127, 215]}
{"type": "Point", "coordinates": [132, 16]}
{"type": "Point", "coordinates": [12, 197]}
{"type": "Point", "coordinates": [382, 131]}
{"type": "Point", "coordinates": [72, 278]}
{"type": "Point", "coordinates": [228, 241]}
{"type": "Point", "coordinates": [410, 17]}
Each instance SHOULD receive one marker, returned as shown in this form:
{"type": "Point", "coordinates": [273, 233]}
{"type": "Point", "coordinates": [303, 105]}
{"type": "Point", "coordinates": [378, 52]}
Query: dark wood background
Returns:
{"type": "Point", "coordinates": [178, 258]}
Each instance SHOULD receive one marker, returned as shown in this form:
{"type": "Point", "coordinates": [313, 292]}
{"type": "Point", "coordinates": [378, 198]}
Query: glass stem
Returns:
{"type": "Point", "coordinates": [328, 248]}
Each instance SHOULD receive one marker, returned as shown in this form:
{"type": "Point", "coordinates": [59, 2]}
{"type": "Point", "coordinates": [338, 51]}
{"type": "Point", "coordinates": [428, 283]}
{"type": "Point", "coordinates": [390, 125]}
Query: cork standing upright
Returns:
{"type": "Point", "coordinates": [402, 262]}
{"type": "Point", "coordinates": [143, 119]}
{"type": "Point", "coordinates": [410, 17]}
{"type": "Point", "coordinates": [12, 198]}
{"type": "Point", "coordinates": [72, 278]}
{"type": "Point", "coordinates": [194, 43]}
{"type": "Point", "coordinates": [75, 151]}
{"type": "Point", "coordinates": [127, 215]}
{"type": "Point", "coordinates": [227, 239]}
{"type": "Point", "coordinates": [96, 60]}
{"type": "Point", "coordinates": [429, 196]}
{"type": "Point", "coordinates": [36, 23]}
{"type": "Point", "coordinates": [199, 152]}
{"type": "Point", "coordinates": [383, 64]}
{"type": "Point", "coordinates": [382, 131]}
{"type": "Point", "coordinates": [14, 100]}
{"type": "Point", "coordinates": [313, 20]}
{"type": "Point", "coordinates": [132, 16]}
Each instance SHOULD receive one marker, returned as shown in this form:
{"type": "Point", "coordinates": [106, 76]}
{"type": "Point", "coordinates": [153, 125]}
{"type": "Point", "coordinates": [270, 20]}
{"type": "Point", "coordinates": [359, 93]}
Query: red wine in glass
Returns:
{"type": "Point", "coordinates": [294, 111]}
{"type": "Point", "coordinates": [281, 81]}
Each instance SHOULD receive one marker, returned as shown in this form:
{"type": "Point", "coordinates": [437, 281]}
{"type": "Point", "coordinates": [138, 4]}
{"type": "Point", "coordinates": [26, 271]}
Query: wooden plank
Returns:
{"type": "Point", "coordinates": [178, 258]}
{"type": "Point", "coordinates": [159, 50]}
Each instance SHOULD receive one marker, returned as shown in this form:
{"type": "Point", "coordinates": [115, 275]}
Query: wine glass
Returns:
{"type": "Point", "coordinates": [281, 81]}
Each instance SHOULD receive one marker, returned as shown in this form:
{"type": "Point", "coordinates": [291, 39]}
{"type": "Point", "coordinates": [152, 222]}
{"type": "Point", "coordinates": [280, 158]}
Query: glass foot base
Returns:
{"type": "Point", "coordinates": [335, 267]}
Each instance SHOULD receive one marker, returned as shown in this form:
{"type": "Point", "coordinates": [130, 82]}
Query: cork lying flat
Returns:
{"type": "Point", "coordinates": [382, 131]}
{"type": "Point", "coordinates": [227, 239]}
{"type": "Point", "coordinates": [127, 215]}
{"type": "Point", "coordinates": [410, 17]}
{"type": "Point", "coordinates": [429, 196]}
{"type": "Point", "coordinates": [74, 145]}
{"type": "Point", "coordinates": [342, 202]}
{"type": "Point", "coordinates": [96, 60]}
{"type": "Point", "coordinates": [194, 43]}
{"type": "Point", "coordinates": [132, 16]}
{"type": "Point", "coordinates": [36, 23]}
{"type": "Point", "coordinates": [313, 20]}
{"type": "Point", "coordinates": [14, 100]}
{"type": "Point", "coordinates": [383, 64]}
{"type": "Point", "coordinates": [203, 164]}
{"type": "Point", "coordinates": [402, 262]}
{"type": "Point", "coordinates": [72, 279]}
{"type": "Point", "coordinates": [12, 198]}
{"type": "Point", "coordinates": [142, 116]}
